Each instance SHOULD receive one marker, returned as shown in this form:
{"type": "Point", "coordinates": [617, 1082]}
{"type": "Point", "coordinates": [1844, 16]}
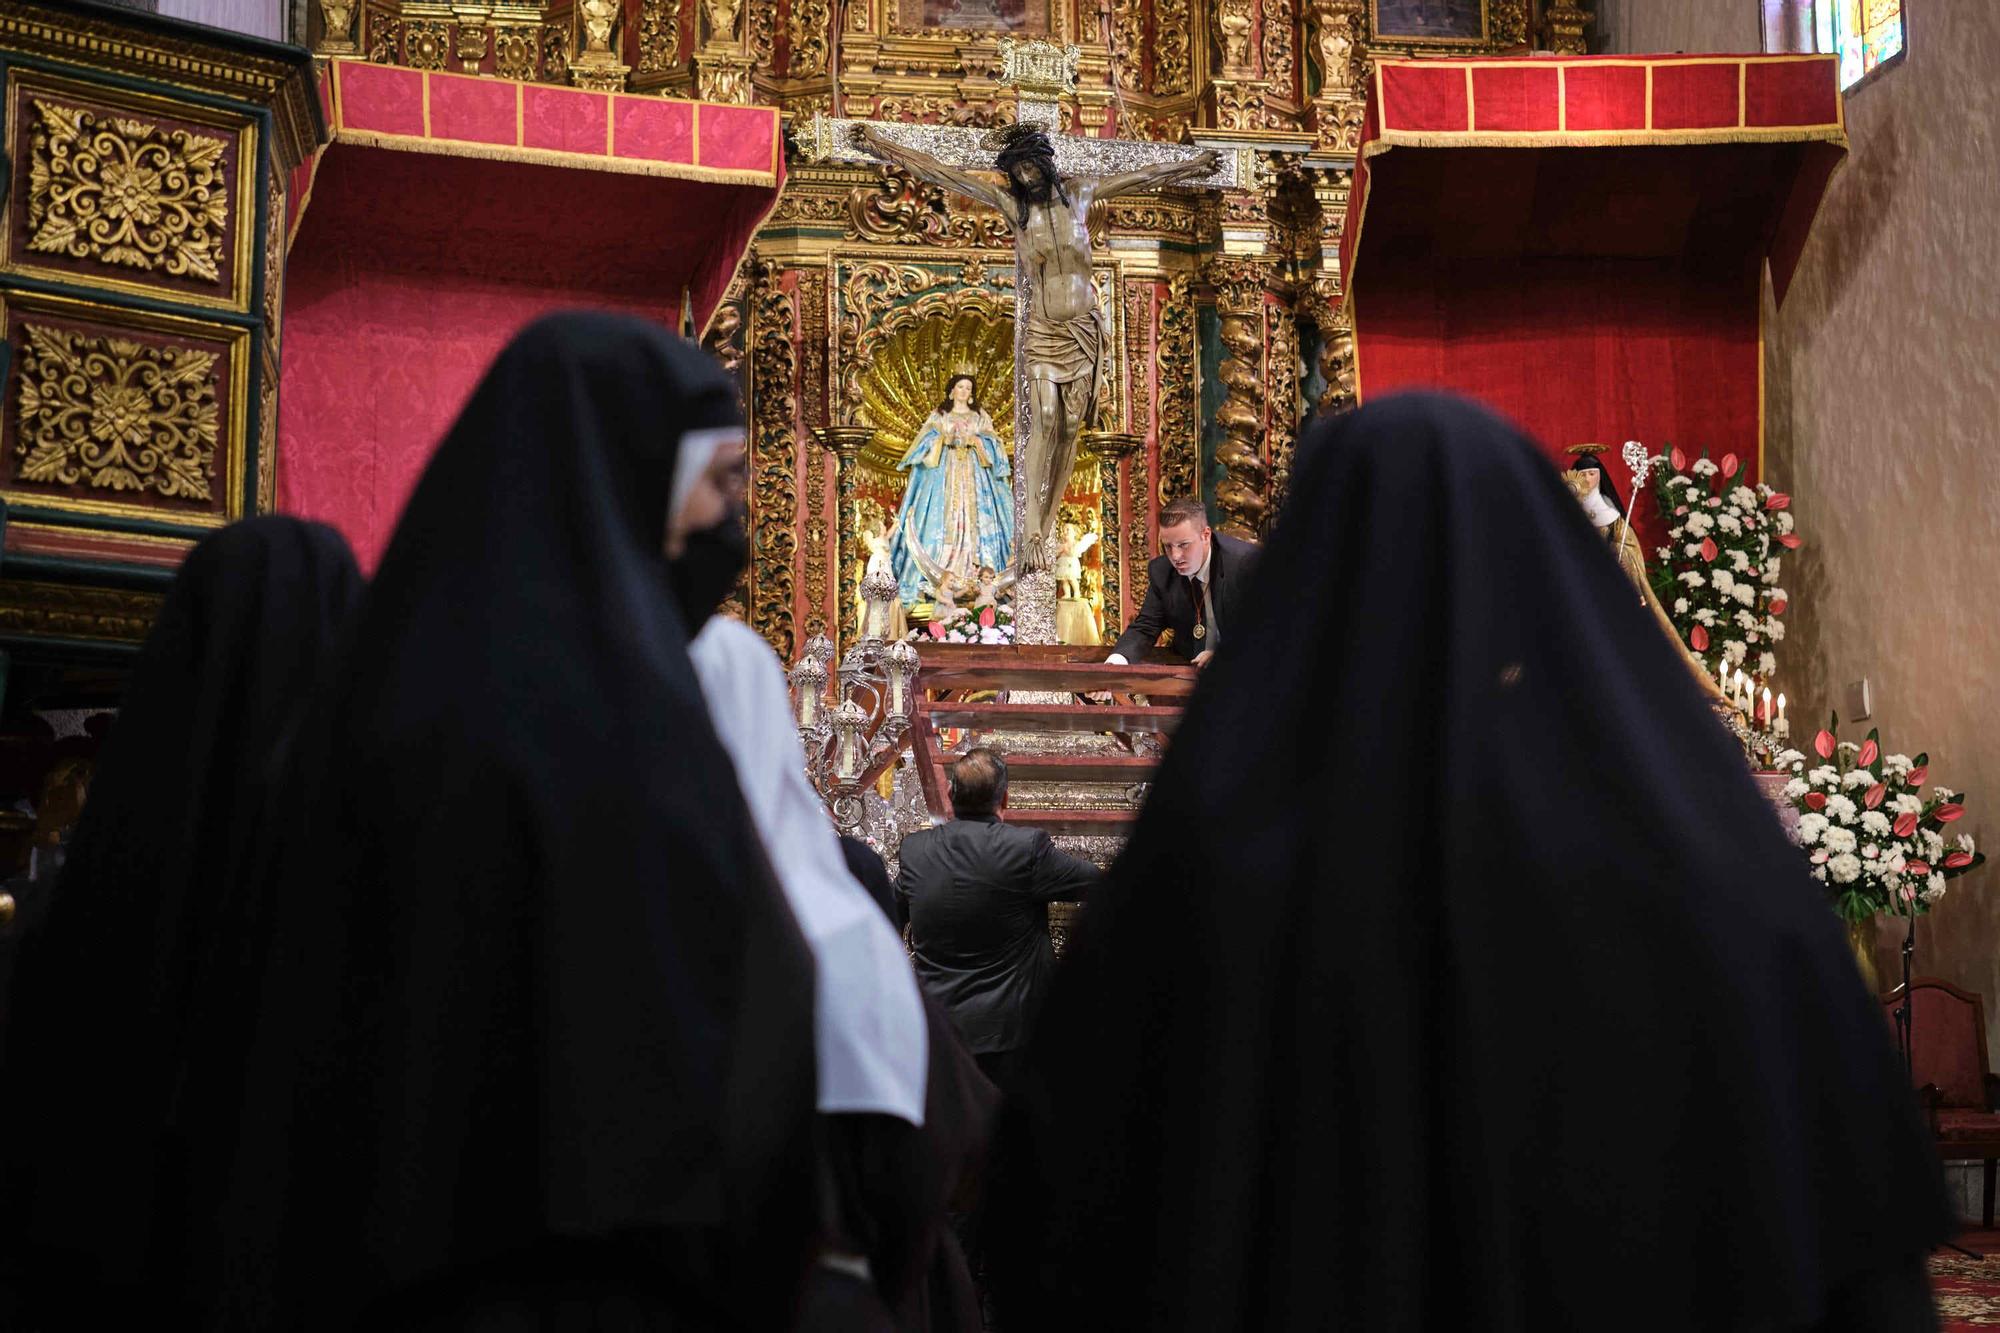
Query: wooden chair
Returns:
{"type": "Point", "coordinates": [1951, 1070]}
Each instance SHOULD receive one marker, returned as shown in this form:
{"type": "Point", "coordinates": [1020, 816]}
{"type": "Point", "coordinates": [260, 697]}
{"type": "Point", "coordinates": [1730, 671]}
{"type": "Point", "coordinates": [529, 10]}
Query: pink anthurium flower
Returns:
{"type": "Point", "coordinates": [1905, 825]}
{"type": "Point", "coordinates": [1789, 540]}
{"type": "Point", "coordinates": [1919, 776]}
{"type": "Point", "coordinates": [1779, 500]}
{"type": "Point", "coordinates": [1729, 466]}
{"type": "Point", "coordinates": [1698, 638]}
{"type": "Point", "coordinates": [1823, 744]}
{"type": "Point", "coordinates": [1958, 860]}
{"type": "Point", "coordinates": [1951, 813]}
{"type": "Point", "coordinates": [1916, 867]}
{"type": "Point", "coordinates": [1875, 795]}
{"type": "Point", "coordinates": [1869, 751]}
{"type": "Point", "coordinates": [1778, 604]}
{"type": "Point", "coordinates": [1709, 550]}
{"type": "Point", "coordinates": [1679, 460]}
{"type": "Point", "coordinates": [1815, 800]}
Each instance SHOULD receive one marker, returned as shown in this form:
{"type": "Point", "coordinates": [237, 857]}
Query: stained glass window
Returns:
{"type": "Point", "coordinates": [1865, 34]}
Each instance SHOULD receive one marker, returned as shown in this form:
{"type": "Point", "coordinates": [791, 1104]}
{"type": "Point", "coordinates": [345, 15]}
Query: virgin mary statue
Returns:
{"type": "Point", "coordinates": [957, 515]}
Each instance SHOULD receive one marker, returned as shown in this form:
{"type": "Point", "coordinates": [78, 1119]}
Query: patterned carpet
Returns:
{"type": "Point", "coordinates": [1968, 1292]}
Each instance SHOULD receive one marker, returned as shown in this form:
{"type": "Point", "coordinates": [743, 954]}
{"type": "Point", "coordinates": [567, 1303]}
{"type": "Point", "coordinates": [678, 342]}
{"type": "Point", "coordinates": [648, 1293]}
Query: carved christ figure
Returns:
{"type": "Point", "coordinates": [1064, 339]}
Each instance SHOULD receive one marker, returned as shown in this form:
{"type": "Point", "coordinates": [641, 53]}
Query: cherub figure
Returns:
{"type": "Point", "coordinates": [1071, 544]}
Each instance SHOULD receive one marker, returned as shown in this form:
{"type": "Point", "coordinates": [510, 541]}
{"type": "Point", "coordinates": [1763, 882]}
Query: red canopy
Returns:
{"type": "Point", "coordinates": [451, 210]}
{"type": "Point", "coordinates": [1580, 242]}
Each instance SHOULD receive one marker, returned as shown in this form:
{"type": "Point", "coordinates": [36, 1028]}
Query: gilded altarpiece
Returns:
{"type": "Point", "coordinates": [867, 291]}
{"type": "Point", "coordinates": [141, 275]}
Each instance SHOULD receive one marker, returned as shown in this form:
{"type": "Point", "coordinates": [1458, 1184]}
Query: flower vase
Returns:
{"type": "Point", "coordinates": [1861, 941]}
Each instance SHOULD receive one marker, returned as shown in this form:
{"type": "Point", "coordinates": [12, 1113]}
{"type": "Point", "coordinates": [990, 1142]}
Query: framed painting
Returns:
{"type": "Point", "coordinates": [1017, 18]}
{"type": "Point", "coordinates": [1427, 22]}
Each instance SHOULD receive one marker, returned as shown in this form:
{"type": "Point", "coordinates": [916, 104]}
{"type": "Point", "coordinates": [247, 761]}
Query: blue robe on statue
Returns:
{"type": "Point", "coordinates": [957, 513]}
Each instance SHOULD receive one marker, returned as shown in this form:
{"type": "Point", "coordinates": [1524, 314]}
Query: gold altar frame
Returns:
{"type": "Point", "coordinates": [1386, 41]}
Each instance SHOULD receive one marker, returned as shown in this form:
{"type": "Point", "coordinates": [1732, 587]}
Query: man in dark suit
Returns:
{"type": "Point", "coordinates": [1192, 588]}
{"type": "Point", "coordinates": [976, 894]}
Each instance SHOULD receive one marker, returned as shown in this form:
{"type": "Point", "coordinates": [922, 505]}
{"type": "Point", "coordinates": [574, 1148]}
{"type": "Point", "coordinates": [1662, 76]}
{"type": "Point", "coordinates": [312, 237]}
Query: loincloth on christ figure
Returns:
{"type": "Point", "coordinates": [1069, 348]}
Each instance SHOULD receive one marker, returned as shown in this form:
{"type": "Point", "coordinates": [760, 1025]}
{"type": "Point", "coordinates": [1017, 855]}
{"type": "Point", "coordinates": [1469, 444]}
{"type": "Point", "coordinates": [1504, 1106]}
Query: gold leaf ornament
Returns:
{"type": "Point", "coordinates": [125, 192]}
{"type": "Point", "coordinates": [115, 414]}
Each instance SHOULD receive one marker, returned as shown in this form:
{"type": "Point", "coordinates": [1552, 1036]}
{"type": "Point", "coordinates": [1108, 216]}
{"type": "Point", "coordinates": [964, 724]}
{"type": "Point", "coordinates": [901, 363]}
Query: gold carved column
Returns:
{"type": "Point", "coordinates": [1112, 448]}
{"type": "Point", "coordinates": [774, 491]}
{"type": "Point", "coordinates": [845, 444]}
{"type": "Point", "coordinates": [1242, 494]}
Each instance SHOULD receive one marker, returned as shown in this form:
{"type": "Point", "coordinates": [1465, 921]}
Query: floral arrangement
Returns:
{"type": "Point", "coordinates": [1718, 575]}
{"type": "Point", "coordinates": [985, 624]}
{"type": "Point", "coordinates": [1872, 836]}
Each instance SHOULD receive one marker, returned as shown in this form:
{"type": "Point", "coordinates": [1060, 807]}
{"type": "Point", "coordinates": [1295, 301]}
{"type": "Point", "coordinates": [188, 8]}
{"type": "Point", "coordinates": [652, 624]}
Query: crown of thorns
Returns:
{"type": "Point", "coordinates": [1016, 143]}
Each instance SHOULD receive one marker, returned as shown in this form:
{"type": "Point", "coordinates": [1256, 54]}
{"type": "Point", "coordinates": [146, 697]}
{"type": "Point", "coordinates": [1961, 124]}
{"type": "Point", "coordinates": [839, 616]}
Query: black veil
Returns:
{"type": "Point", "coordinates": [1456, 975]}
{"type": "Point", "coordinates": [143, 920]}
{"type": "Point", "coordinates": [537, 1012]}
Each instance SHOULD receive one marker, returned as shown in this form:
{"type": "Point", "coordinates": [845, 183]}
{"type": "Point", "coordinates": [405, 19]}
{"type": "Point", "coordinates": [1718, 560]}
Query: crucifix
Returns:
{"type": "Point", "coordinates": [1051, 181]}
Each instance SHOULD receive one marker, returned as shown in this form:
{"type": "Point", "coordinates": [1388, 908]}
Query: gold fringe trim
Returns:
{"type": "Point", "coordinates": [1391, 139]}
{"type": "Point", "coordinates": [554, 157]}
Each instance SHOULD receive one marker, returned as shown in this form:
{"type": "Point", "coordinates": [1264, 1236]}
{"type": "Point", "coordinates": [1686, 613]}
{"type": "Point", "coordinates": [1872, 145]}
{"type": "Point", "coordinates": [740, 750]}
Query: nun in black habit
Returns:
{"type": "Point", "coordinates": [535, 1048]}
{"type": "Point", "coordinates": [1456, 976]}
{"type": "Point", "coordinates": [115, 1051]}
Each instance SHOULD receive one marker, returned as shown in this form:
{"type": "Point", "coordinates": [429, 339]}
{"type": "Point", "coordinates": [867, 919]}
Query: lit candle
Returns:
{"type": "Point", "coordinates": [1765, 713]}
{"type": "Point", "coordinates": [1784, 728]}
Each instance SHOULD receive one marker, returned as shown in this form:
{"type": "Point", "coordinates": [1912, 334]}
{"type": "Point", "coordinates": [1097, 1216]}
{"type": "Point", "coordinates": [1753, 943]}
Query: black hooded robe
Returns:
{"type": "Point", "coordinates": [114, 1050]}
{"type": "Point", "coordinates": [1435, 993]}
{"type": "Point", "coordinates": [535, 1044]}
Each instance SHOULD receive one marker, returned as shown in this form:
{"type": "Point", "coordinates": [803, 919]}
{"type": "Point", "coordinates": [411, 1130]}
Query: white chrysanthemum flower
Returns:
{"type": "Point", "coordinates": [1943, 793]}
{"type": "Point", "coordinates": [1767, 665]}
{"type": "Point", "coordinates": [1735, 651]}
{"type": "Point", "coordinates": [1906, 804]}
{"type": "Point", "coordinates": [1796, 788]}
{"type": "Point", "coordinates": [1702, 467]}
{"type": "Point", "coordinates": [1678, 480]}
{"type": "Point", "coordinates": [1725, 582]}
{"type": "Point", "coordinates": [1740, 561]}
{"type": "Point", "coordinates": [1936, 890]}
{"type": "Point", "coordinates": [1875, 823]}
{"type": "Point", "coordinates": [1824, 775]}
{"type": "Point", "coordinates": [1784, 521]}
{"type": "Point", "coordinates": [1788, 757]}
{"type": "Point", "coordinates": [1663, 552]}
{"type": "Point", "coordinates": [1840, 809]}
{"type": "Point", "coordinates": [1700, 524]}
{"type": "Point", "coordinates": [1857, 777]}
{"type": "Point", "coordinates": [1838, 840]}
{"type": "Point", "coordinates": [1811, 827]}
{"type": "Point", "coordinates": [1844, 869]}
{"type": "Point", "coordinates": [1746, 594]}
{"type": "Point", "coordinates": [1743, 498]}
{"type": "Point", "coordinates": [1965, 843]}
{"type": "Point", "coordinates": [1692, 550]}
{"type": "Point", "coordinates": [1729, 525]}
{"type": "Point", "coordinates": [1705, 617]}
{"type": "Point", "coordinates": [1776, 629]}
{"type": "Point", "coordinates": [1680, 606]}
{"type": "Point", "coordinates": [1745, 619]}
{"type": "Point", "coordinates": [1693, 578]}
{"type": "Point", "coordinates": [1933, 842]}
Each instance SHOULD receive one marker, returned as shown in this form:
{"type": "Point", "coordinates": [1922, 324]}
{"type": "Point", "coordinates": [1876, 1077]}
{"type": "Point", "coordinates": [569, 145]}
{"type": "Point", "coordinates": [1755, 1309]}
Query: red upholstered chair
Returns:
{"type": "Point", "coordinates": [1950, 1067]}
